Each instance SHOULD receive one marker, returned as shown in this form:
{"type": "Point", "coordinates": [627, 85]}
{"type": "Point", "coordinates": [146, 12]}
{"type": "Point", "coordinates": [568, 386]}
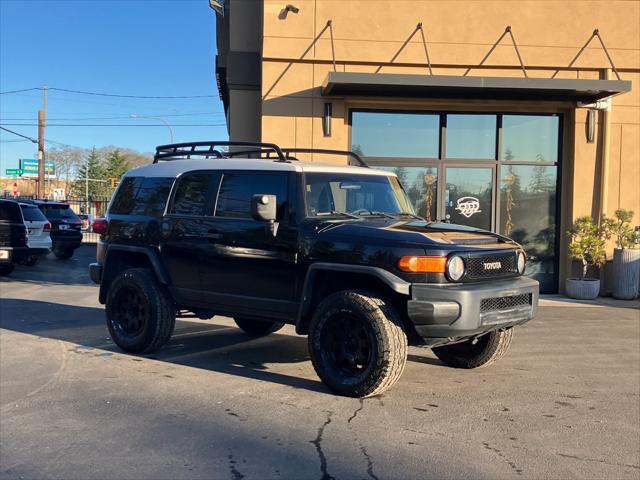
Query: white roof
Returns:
{"type": "Point", "coordinates": [173, 168]}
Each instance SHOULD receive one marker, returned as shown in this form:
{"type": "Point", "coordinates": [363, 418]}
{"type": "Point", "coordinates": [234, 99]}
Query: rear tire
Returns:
{"type": "Point", "coordinates": [6, 269]}
{"type": "Point", "coordinates": [357, 344]}
{"type": "Point", "coordinates": [141, 314]}
{"type": "Point", "coordinates": [63, 253]}
{"type": "Point", "coordinates": [257, 328]}
{"type": "Point", "coordinates": [489, 348]}
{"type": "Point", "coordinates": [31, 260]}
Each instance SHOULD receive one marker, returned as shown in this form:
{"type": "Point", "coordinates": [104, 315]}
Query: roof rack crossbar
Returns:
{"type": "Point", "coordinates": [176, 151]}
{"type": "Point", "coordinates": [323, 151]}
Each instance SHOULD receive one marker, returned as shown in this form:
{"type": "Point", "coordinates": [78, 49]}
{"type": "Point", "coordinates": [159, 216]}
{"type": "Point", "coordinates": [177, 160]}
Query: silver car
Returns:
{"type": "Point", "coordinates": [38, 233]}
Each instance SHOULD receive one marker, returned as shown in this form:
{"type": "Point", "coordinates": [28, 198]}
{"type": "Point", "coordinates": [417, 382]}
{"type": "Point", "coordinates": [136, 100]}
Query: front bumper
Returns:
{"type": "Point", "coordinates": [463, 310]}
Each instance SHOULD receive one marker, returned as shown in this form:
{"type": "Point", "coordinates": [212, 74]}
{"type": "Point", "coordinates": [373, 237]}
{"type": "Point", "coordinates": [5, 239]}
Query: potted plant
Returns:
{"type": "Point", "coordinates": [587, 246]}
{"type": "Point", "coordinates": [626, 255]}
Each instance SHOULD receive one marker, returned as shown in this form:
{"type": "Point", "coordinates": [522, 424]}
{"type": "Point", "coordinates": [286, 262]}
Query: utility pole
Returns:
{"type": "Point", "coordinates": [42, 120]}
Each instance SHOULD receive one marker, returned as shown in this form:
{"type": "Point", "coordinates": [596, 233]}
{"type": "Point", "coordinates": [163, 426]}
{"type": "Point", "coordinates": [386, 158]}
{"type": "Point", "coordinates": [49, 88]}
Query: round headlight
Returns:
{"type": "Point", "coordinates": [455, 268]}
{"type": "Point", "coordinates": [522, 262]}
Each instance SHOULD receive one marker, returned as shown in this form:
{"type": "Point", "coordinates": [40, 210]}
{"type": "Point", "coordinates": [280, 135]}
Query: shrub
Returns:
{"type": "Point", "coordinates": [587, 243]}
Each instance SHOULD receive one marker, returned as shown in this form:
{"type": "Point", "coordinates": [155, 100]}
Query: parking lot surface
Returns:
{"type": "Point", "coordinates": [563, 403]}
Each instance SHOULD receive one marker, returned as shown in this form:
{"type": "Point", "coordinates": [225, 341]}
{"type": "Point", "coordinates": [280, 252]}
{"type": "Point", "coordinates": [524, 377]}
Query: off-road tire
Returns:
{"type": "Point", "coordinates": [257, 328]}
{"type": "Point", "coordinates": [63, 253]}
{"type": "Point", "coordinates": [386, 339]}
{"type": "Point", "coordinates": [159, 317]}
{"type": "Point", "coordinates": [6, 269]}
{"type": "Point", "coordinates": [488, 349]}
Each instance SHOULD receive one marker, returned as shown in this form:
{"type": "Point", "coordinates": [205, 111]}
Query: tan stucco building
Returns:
{"type": "Point", "coordinates": [505, 142]}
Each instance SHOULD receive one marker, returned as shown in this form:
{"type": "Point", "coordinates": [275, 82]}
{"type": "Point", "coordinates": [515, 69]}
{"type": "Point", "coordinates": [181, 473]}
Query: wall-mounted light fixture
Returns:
{"type": "Point", "coordinates": [326, 119]}
{"type": "Point", "coordinates": [591, 125]}
{"type": "Point", "coordinates": [285, 11]}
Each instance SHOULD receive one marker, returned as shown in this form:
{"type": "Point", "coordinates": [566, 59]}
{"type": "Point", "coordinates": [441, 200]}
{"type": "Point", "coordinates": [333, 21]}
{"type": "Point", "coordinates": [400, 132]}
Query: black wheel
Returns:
{"type": "Point", "coordinates": [357, 344]}
{"type": "Point", "coordinates": [31, 260]}
{"type": "Point", "coordinates": [141, 315]}
{"type": "Point", "coordinates": [6, 269]}
{"type": "Point", "coordinates": [478, 352]}
{"type": "Point", "coordinates": [256, 328]}
{"type": "Point", "coordinates": [63, 253]}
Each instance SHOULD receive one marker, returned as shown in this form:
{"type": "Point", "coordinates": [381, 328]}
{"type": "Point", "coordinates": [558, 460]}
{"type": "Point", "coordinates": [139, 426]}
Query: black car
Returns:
{"type": "Point", "coordinates": [336, 251]}
{"type": "Point", "coordinates": [66, 227]}
{"type": "Point", "coordinates": [13, 236]}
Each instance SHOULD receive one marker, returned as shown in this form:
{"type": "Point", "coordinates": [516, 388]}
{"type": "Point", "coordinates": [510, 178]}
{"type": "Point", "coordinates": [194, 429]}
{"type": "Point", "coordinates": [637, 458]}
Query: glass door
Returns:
{"type": "Point", "coordinates": [468, 196]}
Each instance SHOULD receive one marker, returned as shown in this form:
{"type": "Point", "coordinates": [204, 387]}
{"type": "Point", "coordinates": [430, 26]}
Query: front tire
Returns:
{"type": "Point", "coordinates": [487, 349]}
{"type": "Point", "coordinates": [357, 344]}
{"type": "Point", "coordinates": [6, 269]}
{"type": "Point", "coordinates": [63, 253]}
{"type": "Point", "coordinates": [257, 328]}
{"type": "Point", "coordinates": [31, 260]}
{"type": "Point", "coordinates": [141, 315]}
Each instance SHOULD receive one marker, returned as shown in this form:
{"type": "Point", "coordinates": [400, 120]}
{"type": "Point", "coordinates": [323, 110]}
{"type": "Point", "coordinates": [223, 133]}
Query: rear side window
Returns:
{"type": "Point", "coordinates": [32, 214]}
{"type": "Point", "coordinates": [59, 212]}
{"type": "Point", "coordinates": [125, 197]}
{"type": "Point", "coordinates": [236, 190]}
{"type": "Point", "coordinates": [191, 194]}
{"type": "Point", "coordinates": [10, 212]}
{"type": "Point", "coordinates": [152, 196]}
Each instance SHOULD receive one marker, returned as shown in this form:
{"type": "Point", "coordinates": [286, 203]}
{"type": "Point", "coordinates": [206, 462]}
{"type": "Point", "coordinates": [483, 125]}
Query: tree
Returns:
{"type": "Point", "coordinates": [116, 165]}
{"type": "Point", "coordinates": [92, 170]}
{"type": "Point", "coordinates": [542, 181]}
{"type": "Point", "coordinates": [67, 160]}
{"type": "Point", "coordinates": [401, 173]}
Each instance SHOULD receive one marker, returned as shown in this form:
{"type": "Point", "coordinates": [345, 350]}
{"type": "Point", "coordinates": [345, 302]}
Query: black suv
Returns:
{"type": "Point", "coordinates": [66, 226]}
{"type": "Point", "coordinates": [13, 236]}
{"type": "Point", "coordinates": [335, 250]}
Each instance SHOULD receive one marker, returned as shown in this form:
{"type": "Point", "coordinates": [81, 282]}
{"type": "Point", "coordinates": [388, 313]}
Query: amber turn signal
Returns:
{"type": "Point", "coordinates": [423, 264]}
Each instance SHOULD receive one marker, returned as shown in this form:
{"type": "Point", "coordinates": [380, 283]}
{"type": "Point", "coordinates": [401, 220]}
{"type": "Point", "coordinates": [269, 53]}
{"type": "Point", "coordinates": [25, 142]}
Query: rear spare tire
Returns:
{"type": "Point", "coordinates": [357, 344]}
{"type": "Point", "coordinates": [486, 350]}
{"type": "Point", "coordinates": [258, 328]}
{"type": "Point", "coordinates": [141, 315]}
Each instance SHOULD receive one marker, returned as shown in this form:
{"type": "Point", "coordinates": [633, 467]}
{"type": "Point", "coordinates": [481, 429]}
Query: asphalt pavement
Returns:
{"type": "Point", "coordinates": [563, 403]}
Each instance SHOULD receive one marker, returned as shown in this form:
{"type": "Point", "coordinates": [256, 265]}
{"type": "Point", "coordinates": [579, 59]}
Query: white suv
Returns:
{"type": "Point", "coordinates": [38, 233]}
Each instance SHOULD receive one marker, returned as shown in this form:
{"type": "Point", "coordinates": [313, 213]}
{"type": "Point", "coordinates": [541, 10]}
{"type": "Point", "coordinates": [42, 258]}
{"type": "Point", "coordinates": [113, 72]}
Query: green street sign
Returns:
{"type": "Point", "coordinates": [13, 171]}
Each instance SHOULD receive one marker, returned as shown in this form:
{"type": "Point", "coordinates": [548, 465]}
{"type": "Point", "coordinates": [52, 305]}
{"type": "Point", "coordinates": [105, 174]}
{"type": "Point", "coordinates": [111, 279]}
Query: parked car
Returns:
{"type": "Point", "coordinates": [87, 221]}
{"type": "Point", "coordinates": [66, 226]}
{"type": "Point", "coordinates": [13, 236]}
{"type": "Point", "coordinates": [38, 233]}
{"type": "Point", "coordinates": [335, 250]}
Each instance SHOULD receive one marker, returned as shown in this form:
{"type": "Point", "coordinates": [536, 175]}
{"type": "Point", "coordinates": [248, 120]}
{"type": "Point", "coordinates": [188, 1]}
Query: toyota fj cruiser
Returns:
{"type": "Point", "coordinates": [248, 231]}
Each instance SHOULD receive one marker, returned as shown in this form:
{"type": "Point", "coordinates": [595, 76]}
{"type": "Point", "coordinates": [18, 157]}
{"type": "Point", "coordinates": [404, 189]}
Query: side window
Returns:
{"type": "Point", "coordinates": [191, 195]}
{"type": "Point", "coordinates": [125, 197]}
{"type": "Point", "coordinates": [236, 190]}
{"type": "Point", "coordinates": [152, 196]}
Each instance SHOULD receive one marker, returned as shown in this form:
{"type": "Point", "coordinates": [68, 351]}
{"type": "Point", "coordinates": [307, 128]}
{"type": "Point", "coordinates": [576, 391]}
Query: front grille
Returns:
{"type": "Point", "coordinates": [491, 265]}
{"type": "Point", "coordinates": [504, 303]}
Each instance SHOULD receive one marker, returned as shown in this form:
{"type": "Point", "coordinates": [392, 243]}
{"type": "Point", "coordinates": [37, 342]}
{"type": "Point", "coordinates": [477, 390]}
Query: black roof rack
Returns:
{"type": "Point", "coordinates": [176, 151]}
{"type": "Point", "coordinates": [324, 151]}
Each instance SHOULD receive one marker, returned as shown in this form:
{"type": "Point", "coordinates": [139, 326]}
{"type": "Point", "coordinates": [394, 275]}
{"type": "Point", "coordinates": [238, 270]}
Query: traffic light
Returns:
{"type": "Point", "coordinates": [114, 182]}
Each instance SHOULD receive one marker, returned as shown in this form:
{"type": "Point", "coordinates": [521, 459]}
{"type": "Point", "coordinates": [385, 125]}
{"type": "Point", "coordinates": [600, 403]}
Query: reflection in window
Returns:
{"type": "Point", "coordinates": [468, 196]}
{"type": "Point", "coordinates": [125, 196]}
{"type": "Point", "coordinates": [530, 138]}
{"type": "Point", "coordinates": [234, 198]}
{"type": "Point", "coordinates": [191, 195]}
{"type": "Point", "coordinates": [152, 196]}
{"type": "Point", "coordinates": [471, 136]}
{"type": "Point", "coordinates": [421, 186]}
{"type": "Point", "coordinates": [528, 215]}
{"type": "Point", "coordinates": [399, 134]}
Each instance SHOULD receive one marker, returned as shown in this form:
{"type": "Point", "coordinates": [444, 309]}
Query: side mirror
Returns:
{"type": "Point", "coordinates": [263, 207]}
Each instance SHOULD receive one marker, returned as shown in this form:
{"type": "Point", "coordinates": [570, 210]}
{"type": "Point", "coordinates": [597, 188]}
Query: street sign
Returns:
{"type": "Point", "coordinates": [29, 167]}
{"type": "Point", "coordinates": [15, 172]}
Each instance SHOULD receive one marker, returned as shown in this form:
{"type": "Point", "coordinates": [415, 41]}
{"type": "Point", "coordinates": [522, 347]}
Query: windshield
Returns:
{"type": "Point", "coordinates": [59, 212]}
{"type": "Point", "coordinates": [355, 194]}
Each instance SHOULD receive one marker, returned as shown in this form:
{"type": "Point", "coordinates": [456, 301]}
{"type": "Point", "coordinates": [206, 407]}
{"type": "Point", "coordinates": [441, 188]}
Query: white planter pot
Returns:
{"type": "Point", "coordinates": [586, 289]}
{"type": "Point", "coordinates": [626, 273]}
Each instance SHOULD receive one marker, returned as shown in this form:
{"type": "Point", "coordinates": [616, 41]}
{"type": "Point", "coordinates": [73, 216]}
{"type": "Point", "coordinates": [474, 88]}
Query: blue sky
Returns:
{"type": "Point", "coordinates": [130, 47]}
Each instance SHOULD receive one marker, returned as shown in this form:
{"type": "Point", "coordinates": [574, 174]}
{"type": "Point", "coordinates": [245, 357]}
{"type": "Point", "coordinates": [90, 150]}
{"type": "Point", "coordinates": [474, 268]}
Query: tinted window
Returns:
{"type": "Point", "coordinates": [152, 196]}
{"type": "Point", "coordinates": [124, 199]}
{"type": "Point", "coordinates": [234, 199]}
{"type": "Point", "coordinates": [59, 212]}
{"type": "Point", "coordinates": [32, 214]}
{"type": "Point", "coordinates": [471, 136]}
{"type": "Point", "coordinates": [530, 137]}
{"type": "Point", "coordinates": [191, 194]}
{"type": "Point", "coordinates": [10, 212]}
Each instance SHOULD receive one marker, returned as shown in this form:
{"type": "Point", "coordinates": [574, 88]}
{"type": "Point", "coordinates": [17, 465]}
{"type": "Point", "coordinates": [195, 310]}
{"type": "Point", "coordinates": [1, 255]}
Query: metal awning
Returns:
{"type": "Point", "coordinates": [477, 88]}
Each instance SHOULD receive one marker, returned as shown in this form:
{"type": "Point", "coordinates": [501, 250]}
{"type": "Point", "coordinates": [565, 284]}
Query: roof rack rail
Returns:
{"type": "Point", "coordinates": [178, 151]}
{"type": "Point", "coordinates": [348, 153]}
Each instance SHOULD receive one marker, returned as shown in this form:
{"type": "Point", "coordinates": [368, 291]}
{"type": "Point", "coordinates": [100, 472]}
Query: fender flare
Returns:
{"type": "Point", "coordinates": [152, 255]}
{"type": "Point", "coordinates": [394, 282]}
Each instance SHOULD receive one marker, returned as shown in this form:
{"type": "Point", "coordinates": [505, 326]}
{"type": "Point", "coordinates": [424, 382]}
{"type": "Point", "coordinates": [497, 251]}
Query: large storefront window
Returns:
{"type": "Point", "coordinates": [494, 171]}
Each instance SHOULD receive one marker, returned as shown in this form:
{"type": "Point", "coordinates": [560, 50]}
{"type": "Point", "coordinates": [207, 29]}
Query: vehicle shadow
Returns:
{"type": "Point", "coordinates": [208, 346]}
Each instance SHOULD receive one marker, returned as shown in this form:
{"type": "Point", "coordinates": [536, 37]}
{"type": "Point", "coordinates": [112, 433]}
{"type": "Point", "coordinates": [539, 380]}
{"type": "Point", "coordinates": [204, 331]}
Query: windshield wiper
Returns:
{"type": "Point", "coordinates": [372, 213]}
{"type": "Point", "coordinates": [412, 215]}
{"type": "Point", "coordinates": [333, 212]}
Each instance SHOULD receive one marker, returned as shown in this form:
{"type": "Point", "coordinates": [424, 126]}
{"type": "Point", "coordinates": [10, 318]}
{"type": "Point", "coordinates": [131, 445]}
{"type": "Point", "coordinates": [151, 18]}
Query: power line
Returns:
{"type": "Point", "coordinates": [117, 118]}
{"type": "Point", "coordinates": [116, 125]}
{"type": "Point", "coordinates": [22, 90]}
{"type": "Point", "coordinates": [117, 95]}
{"type": "Point", "coordinates": [19, 134]}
